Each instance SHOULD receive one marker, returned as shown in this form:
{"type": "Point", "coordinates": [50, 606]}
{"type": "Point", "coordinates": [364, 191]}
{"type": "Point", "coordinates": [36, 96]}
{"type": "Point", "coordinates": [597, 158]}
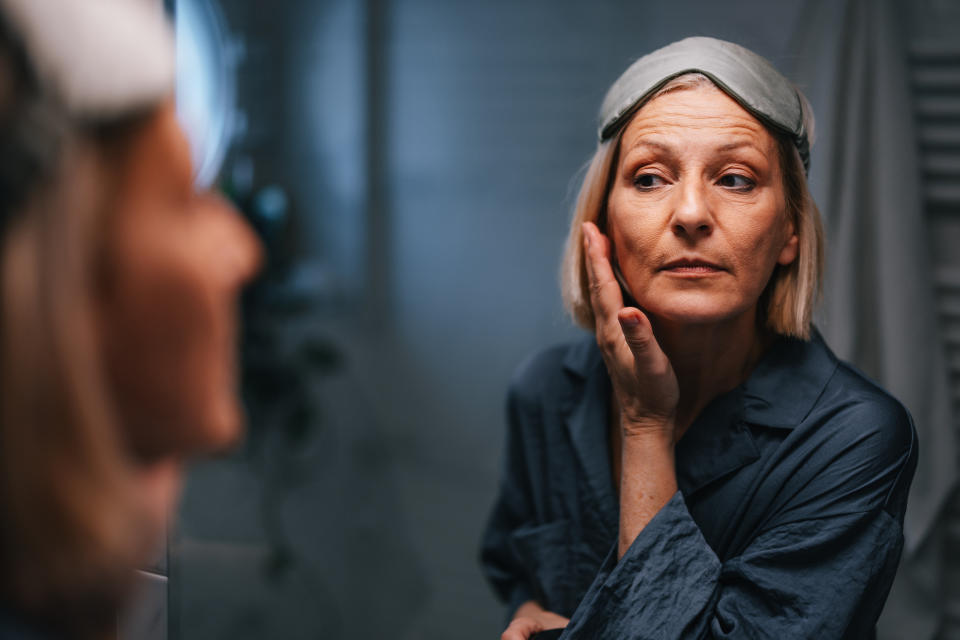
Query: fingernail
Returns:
{"type": "Point", "coordinates": [586, 235]}
{"type": "Point", "coordinates": [630, 320]}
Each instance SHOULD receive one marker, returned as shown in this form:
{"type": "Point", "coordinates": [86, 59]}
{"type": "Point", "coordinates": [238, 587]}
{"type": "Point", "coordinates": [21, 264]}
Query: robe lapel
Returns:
{"type": "Point", "coordinates": [586, 421]}
{"type": "Point", "coordinates": [716, 444]}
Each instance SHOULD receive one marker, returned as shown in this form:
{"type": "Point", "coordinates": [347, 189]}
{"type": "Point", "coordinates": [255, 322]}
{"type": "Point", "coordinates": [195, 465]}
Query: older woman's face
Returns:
{"type": "Point", "coordinates": [174, 263]}
{"type": "Point", "coordinates": [696, 208]}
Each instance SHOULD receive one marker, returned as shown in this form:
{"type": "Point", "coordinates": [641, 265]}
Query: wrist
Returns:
{"type": "Point", "coordinates": [649, 430]}
{"type": "Point", "coordinates": [652, 451]}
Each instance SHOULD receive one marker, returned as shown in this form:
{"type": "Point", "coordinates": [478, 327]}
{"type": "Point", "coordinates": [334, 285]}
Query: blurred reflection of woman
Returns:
{"type": "Point", "coordinates": [118, 283]}
{"type": "Point", "coordinates": [703, 466]}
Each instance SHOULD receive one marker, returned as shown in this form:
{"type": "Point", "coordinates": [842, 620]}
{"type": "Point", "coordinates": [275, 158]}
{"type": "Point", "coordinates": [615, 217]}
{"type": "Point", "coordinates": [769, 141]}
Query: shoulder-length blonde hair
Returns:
{"type": "Point", "coordinates": [72, 530]}
{"type": "Point", "coordinates": [787, 303]}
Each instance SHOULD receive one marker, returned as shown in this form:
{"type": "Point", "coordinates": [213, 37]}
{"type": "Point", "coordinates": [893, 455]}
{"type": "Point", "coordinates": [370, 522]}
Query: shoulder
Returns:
{"type": "Point", "coordinates": [861, 411]}
{"type": "Point", "coordinates": [553, 373]}
{"type": "Point", "coordinates": [803, 383]}
{"type": "Point", "coordinates": [866, 435]}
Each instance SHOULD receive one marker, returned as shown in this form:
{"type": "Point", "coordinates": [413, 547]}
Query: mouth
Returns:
{"type": "Point", "coordinates": [692, 266]}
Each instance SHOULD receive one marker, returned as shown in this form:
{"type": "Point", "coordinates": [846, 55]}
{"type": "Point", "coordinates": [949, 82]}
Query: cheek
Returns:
{"type": "Point", "coordinates": [758, 242]}
{"type": "Point", "coordinates": [634, 235]}
{"type": "Point", "coordinates": [165, 346]}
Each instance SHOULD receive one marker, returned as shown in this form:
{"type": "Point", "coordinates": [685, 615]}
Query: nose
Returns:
{"type": "Point", "coordinates": [691, 213]}
{"type": "Point", "coordinates": [242, 250]}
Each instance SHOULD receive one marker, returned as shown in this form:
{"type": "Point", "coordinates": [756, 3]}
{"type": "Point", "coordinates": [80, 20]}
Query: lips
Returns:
{"type": "Point", "coordinates": [692, 265]}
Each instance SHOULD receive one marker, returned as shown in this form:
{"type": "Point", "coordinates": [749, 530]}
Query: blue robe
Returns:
{"type": "Point", "coordinates": [788, 522]}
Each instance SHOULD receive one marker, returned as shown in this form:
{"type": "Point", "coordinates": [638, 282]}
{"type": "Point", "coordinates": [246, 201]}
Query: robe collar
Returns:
{"type": "Point", "coordinates": [779, 394]}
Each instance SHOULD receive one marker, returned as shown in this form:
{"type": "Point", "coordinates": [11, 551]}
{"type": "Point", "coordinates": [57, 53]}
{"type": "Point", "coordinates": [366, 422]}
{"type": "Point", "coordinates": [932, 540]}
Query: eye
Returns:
{"type": "Point", "coordinates": [736, 181]}
{"type": "Point", "coordinates": [647, 181]}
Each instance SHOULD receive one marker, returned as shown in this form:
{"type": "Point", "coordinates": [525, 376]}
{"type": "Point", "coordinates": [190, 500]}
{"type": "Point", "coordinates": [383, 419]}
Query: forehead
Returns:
{"type": "Point", "coordinates": [703, 116]}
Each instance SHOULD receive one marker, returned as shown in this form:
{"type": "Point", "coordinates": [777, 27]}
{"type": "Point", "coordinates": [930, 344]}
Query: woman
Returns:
{"type": "Point", "coordinates": [117, 291]}
{"type": "Point", "coordinates": [704, 466]}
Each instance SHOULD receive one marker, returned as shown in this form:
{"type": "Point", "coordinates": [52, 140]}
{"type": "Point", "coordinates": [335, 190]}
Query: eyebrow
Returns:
{"type": "Point", "coordinates": [650, 143]}
{"type": "Point", "coordinates": [730, 146]}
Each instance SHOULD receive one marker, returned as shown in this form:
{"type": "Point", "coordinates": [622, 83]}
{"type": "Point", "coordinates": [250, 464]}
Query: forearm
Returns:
{"type": "Point", "coordinates": [647, 480]}
{"type": "Point", "coordinates": [832, 572]}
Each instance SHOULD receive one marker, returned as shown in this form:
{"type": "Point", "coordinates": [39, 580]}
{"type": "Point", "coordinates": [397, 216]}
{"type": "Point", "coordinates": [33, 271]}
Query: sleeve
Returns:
{"type": "Point", "coordinates": [821, 567]}
{"type": "Point", "coordinates": [512, 511]}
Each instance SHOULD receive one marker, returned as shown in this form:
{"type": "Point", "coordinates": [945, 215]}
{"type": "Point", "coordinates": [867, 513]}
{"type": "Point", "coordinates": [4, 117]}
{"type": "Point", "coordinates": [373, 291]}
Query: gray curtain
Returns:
{"type": "Point", "coordinates": [879, 306]}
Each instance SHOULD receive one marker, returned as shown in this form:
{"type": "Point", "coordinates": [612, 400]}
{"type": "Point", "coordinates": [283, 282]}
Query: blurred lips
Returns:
{"type": "Point", "coordinates": [691, 265]}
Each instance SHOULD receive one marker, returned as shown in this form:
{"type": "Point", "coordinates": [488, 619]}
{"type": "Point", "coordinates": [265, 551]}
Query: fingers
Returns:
{"type": "Point", "coordinates": [652, 372]}
{"type": "Point", "coordinates": [551, 620]}
{"type": "Point", "coordinates": [637, 332]}
{"type": "Point", "coordinates": [521, 629]}
{"type": "Point", "coordinates": [605, 296]}
{"type": "Point", "coordinates": [558, 621]}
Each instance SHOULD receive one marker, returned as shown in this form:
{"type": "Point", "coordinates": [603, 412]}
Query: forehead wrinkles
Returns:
{"type": "Point", "coordinates": [722, 132]}
{"type": "Point", "coordinates": [696, 111]}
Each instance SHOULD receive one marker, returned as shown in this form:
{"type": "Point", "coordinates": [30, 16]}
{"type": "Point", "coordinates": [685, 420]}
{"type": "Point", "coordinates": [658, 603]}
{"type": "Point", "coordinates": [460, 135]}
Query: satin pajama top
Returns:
{"type": "Point", "coordinates": [787, 523]}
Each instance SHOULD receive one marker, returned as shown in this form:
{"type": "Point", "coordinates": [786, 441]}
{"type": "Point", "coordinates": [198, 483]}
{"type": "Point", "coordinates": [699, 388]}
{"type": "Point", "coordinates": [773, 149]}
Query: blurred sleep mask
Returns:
{"type": "Point", "coordinates": [743, 75]}
{"type": "Point", "coordinates": [66, 64]}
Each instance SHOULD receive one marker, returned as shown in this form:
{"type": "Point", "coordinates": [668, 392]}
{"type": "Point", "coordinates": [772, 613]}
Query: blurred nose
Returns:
{"type": "Point", "coordinates": [241, 250]}
{"type": "Point", "coordinates": [691, 213]}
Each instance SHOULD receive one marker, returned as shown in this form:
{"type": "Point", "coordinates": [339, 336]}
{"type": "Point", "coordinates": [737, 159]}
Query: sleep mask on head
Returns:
{"type": "Point", "coordinates": [743, 75]}
{"type": "Point", "coordinates": [99, 59]}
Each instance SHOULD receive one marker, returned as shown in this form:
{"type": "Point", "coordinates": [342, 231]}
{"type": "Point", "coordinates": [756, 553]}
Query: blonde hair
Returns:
{"type": "Point", "coordinates": [787, 303]}
{"type": "Point", "coordinates": [72, 530]}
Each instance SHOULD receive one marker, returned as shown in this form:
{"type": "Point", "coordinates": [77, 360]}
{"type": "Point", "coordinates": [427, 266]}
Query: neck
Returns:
{"type": "Point", "coordinates": [158, 487]}
{"type": "Point", "coordinates": [709, 359]}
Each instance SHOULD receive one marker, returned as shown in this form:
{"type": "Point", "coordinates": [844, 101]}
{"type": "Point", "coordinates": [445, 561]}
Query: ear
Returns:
{"type": "Point", "coordinates": [790, 249]}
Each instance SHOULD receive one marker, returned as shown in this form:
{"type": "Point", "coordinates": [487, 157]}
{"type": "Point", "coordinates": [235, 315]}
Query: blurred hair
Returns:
{"type": "Point", "coordinates": [787, 303]}
{"type": "Point", "coordinates": [71, 530]}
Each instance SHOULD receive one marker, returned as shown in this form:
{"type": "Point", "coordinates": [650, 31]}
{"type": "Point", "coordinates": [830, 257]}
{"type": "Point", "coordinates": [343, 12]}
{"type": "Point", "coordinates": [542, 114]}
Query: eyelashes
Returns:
{"type": "Point", "coordinates": [736, 182]}
{"type": "Point", "coordinates": [647, 181]}
{"type": "Point", "coordinates": [730, 181]}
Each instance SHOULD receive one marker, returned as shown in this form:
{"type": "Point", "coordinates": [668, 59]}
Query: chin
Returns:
{"type": "Point", "coordinates": [222, 427]}
{"type": "Point", "coordinates": [215, 412]}
{"type": "Point", "coordinates": [694, 309]}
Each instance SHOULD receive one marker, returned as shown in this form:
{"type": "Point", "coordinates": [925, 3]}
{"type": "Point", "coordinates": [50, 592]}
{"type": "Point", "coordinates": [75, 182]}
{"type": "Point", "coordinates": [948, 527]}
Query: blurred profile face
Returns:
{"type": "Point", "coordinates": [696, 209]}
{"type": "Point", "coordinates": [174, 263]}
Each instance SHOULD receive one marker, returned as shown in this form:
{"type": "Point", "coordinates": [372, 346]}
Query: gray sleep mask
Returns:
{"type": "Point", "coordinates": [743, 75]}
